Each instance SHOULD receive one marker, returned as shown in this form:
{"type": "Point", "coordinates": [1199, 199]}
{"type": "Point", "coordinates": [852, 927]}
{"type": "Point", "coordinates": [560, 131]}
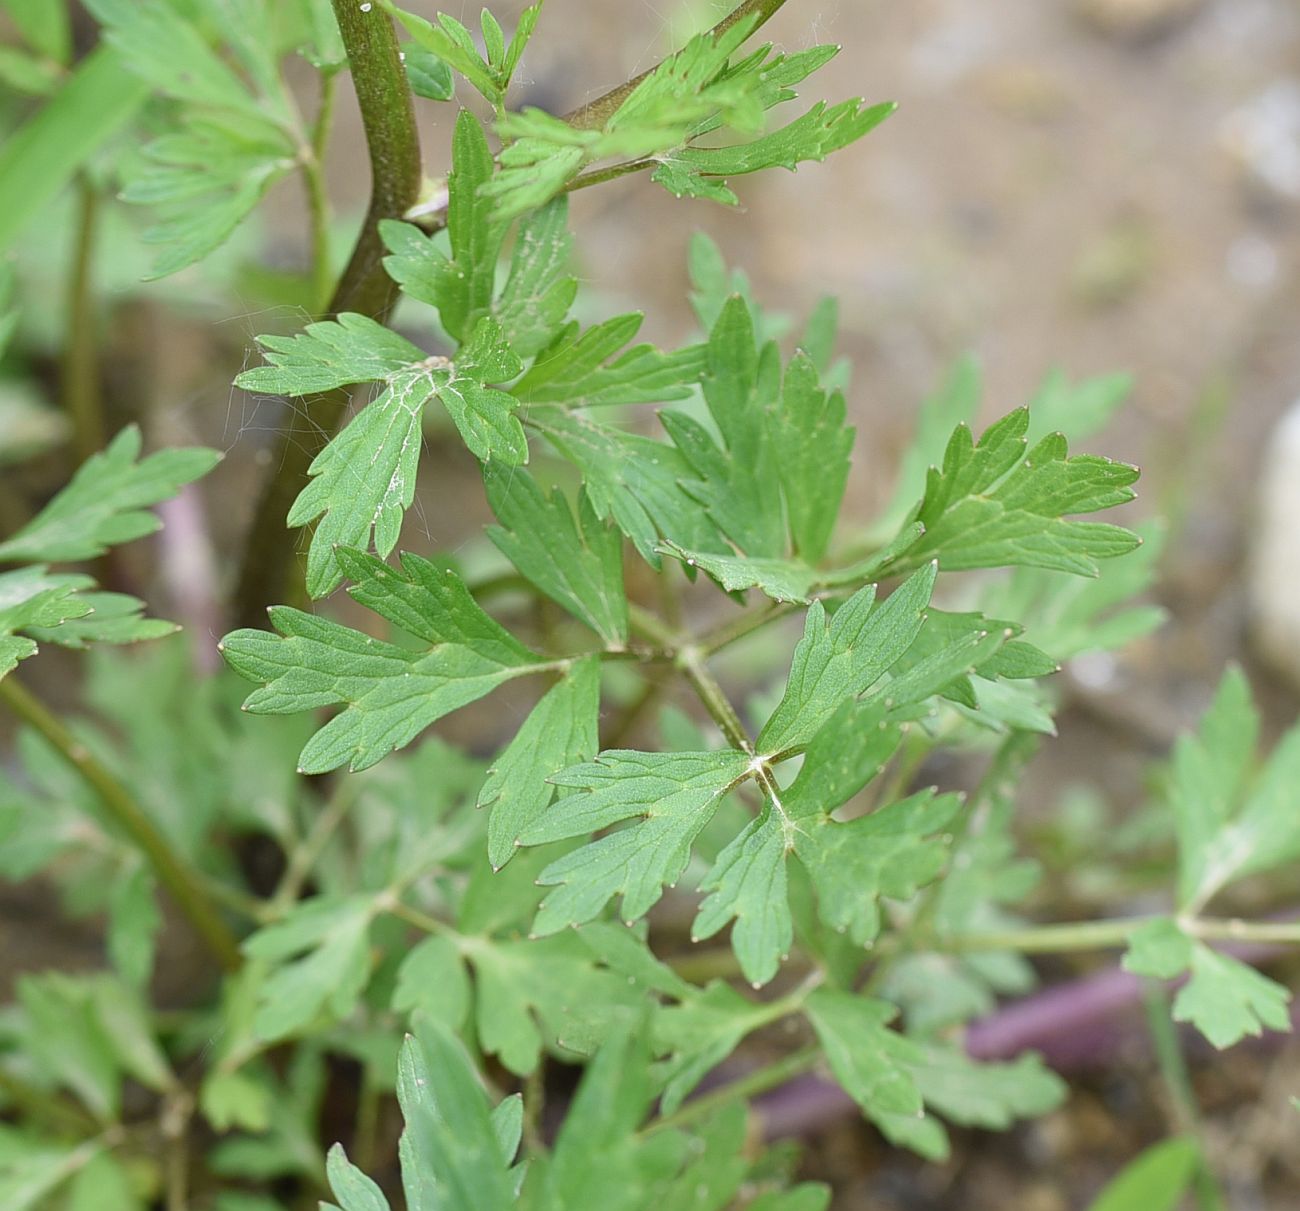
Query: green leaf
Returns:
{"type": "Point", "coordinates": [671, 796]}
{"type": "Point", "coordinates": [575, 368]}
{"type": "Point", "coordinates": [695, 171]}
{"type": "Point", "coordinates": [809, 432]}
{"type": "Point", "coordinates": [580, 567]}
{"type": "Point", "coordinates": [363, 481]}
{"type": "Point", "coordinates": [110, 618]}
{"type": "Point", "coordinates": [134, 923]}
{"type": "Point", "coordinates": [107, 501]}
{"type": "Point", "coordinates": [697, 1034]}
{"type": "Point", "coordinates": [740, 485]}
{"type": "Point", "coordinates": [1076, 409]}
{"type": "Point", "coordinates": [842, 659]}
{"type": "Point", "coordinates": [333, 353]}
{"type": "Point", "coordinates": [432, 980]}
{"type": "Point", "coordinates": [779, 579]}
{"type": "Point", "coordinates": [451, 42]}
{"type": "Point", "coordinates": [33, 1171]}
{"type": "Point", "coordinates": [42, 156]}
{"type": "Point", "coordinates": [748, 884]}
{"type": "Point", "coordinates": [460, 287]}
{"type": "Point", "coordinates": [997, 504]}
{"type": "Point", "coordinates": [354, 1190]}
{"type": "Point", "coordinates": [65, 1039]}
{"type": "Point", "coordinates": [1230, 821]}
{"type": "Point", "coordinates": [450, 1151]}
{"type": "Point", "coordinates": [44, 26]}
{"type": "Point", "coordinates": [864, 1055]}
{"type": "Point", "coordinates": [332, 936]}
{"type": "Point", "coordinates": [429, 76]}
{"type": "Point", "coordinates": [545, 993]}
{"type": "Point", "coordinates": [26, 73]}
{"type": "Point", "coordinates": [891, 853]}
{"type": "Point", "coordinates": [390, 693]}
{"type": "Point", "coordinates": [231, 143]}
{"type": "Point", "coordinates": [539, 288]}
{"type": "Point", "coordinates": [632, 479]}
{"type": "Point", "coordinates": [1155, 1181]}
{"type": "Point", "coordinates": [1225, 999]}
{"type": "Point", "coordinates": [560, 731]}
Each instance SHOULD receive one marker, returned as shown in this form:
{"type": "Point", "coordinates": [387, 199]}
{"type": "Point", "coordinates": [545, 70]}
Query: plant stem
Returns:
{"type": "Point", "coordinates": [306, 853]}
{"type": "Point", "coordinates": [184, 884]}
{"type": "Point", "coordinates": [746, 1087]}
{"type": "Point", "coordinates": [1105, 935]}
{"type": "Point", "coordinates": [393, 142]}
{"type": "Point", "coordinates": [749, 622]}
{"type": "Point", "coordinates": [80, 364]}
{"type": "Point", "coordinates": [710, 693]}
{"type": "Point", "coordinates": [595, 114]}
{"type": "Point", "coordinates": [1178, 1083]}
{"type": "Point", "coordinates": [313, 169]}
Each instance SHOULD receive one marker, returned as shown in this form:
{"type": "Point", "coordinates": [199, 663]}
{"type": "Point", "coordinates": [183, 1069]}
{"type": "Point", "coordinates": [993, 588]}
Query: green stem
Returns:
{"type": "Point", "coordinates": [724, 636]}
{"type": "Point", "coordinates": [1105, 935]}
{"type": "Point", "coordinates": [392, 139]}
{"type": "Point", "coordinates": [710, 693]}
{"type": "Point", "coordinates": [595, 114]}
{"type": "Point", "coordinates": [313, 169]}
{"type": "Point", "coordinates": [81, 364]}
{"type": "Point", "coordinates": [305, 854]}
{"type": "Point", "coordinates": [184, 884]}
{"type": "Point", "coordinates": [742, 1090]}
{"type": "Point", "coordinates": [1178, 1084]}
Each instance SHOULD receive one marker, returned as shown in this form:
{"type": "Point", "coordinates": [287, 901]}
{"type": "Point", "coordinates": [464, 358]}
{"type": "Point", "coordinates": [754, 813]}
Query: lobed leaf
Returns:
{"type": "Point", "coordinates": [389, 693]}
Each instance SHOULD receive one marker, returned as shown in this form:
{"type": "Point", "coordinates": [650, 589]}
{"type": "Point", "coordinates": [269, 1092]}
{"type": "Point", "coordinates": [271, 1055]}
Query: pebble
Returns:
{"type": "Point", "coordinates": [1274, 576]}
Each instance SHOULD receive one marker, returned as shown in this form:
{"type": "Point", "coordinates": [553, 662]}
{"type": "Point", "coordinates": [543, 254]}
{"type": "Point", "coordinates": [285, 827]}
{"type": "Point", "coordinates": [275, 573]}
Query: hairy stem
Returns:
{"type": "Point", "coordinates": [187, 889]}
{"type": "Point", "coordinates": [595, 114]}
{"type": "Point", "coordinates": [388, 116]}
{"type": "Point", "coordinates": [80, 363]}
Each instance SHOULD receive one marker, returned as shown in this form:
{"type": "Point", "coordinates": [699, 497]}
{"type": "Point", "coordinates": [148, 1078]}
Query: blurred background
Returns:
{"type": "Point", "coordinates": [1085, 185]}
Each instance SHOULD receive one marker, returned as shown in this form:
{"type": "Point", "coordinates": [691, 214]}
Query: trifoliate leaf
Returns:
{"type": "Point", "coordinates": [997, 504]}
{"type": "Point", "coordinates": [390, 694]}
{"type": "Point", "coordinates": [594, 368]}
{"type": "Point", "coordinates": [332, 938]}
{"type": "Point", "coordinates": [578, 566]}
{"type": "Point", "coordinates": [363, 481]}
{"type": "Point", "coordinates": [539, 288]}
{"type": "Point", "coordinates": [632, 479]}
{"type": "Point", "coordinates": [460, 287]}
{"type": "Point", "coordinates": [842, 659]}
{"type": "Point", "coordinates": [700, 171]}
{"type": "Point", "coordinates": [107, 501]}
{"type": "Point", "coordinates": [748, 884]}
{"type": "Point", "coordinates": [560, 731]}
{"type": "Point", "coordinates": [1230, 821]}
{"type": "Point", "coordinates": [671, 796]}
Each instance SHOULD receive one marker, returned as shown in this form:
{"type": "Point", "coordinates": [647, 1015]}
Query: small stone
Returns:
{"type": "Point", "coordinates": [1274, 575]}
